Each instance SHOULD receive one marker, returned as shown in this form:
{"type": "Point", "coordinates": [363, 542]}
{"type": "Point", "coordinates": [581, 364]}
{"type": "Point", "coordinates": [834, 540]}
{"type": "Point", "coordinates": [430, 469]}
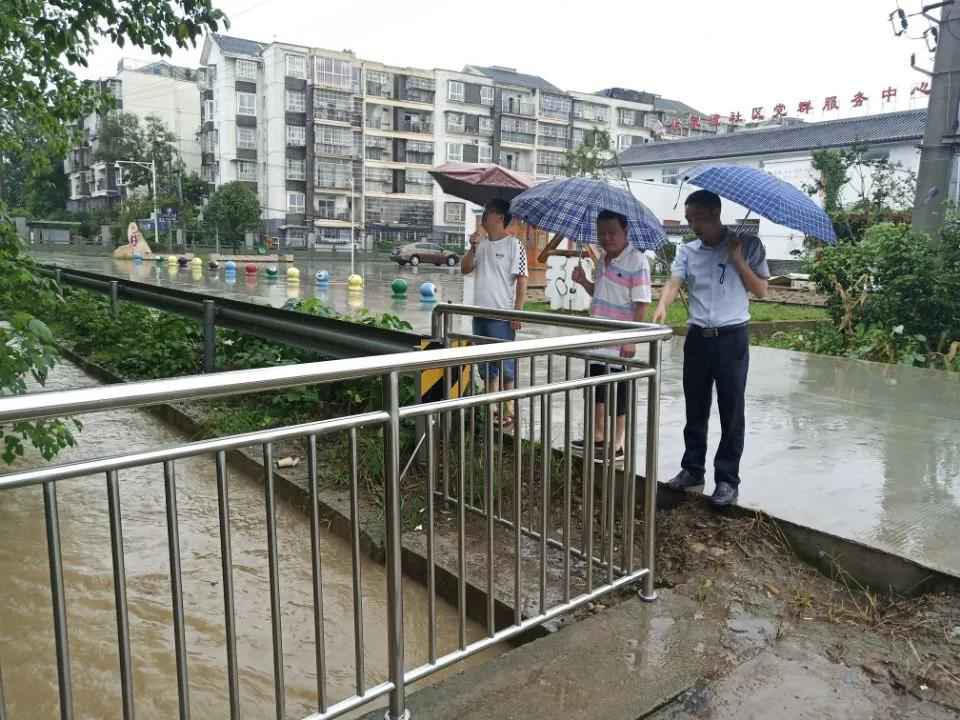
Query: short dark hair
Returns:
{"type": "Point", "coordinates": [704, 199]}
{"type": "Point", "coordinates": [611, 215]}
{"type": "Point", "coordinates": [500, 207]}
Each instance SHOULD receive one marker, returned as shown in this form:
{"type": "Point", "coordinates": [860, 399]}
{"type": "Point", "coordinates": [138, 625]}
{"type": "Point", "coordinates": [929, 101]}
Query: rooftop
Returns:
{"type": "Point", "coordinates": [891, 127]}
{"type": "Point", "coordinates": [509, 76]}
{"type": "Point", "coordinates": [238, 46]}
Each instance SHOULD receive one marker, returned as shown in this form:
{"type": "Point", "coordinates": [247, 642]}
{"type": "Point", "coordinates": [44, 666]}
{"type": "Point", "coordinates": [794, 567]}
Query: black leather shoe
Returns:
{"type": "Point", "coordinates": [685, 480]}
{"type": "Point", "coordinates": [724, 495]}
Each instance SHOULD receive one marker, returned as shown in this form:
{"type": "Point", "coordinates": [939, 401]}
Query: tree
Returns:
{"type": "Point", "coordinates": [590, 157]}
{"type": "Point", "coordinates": [195, 190]}
{"type": "Point", "coordinates": [233, 210]}
{"type": "Point", "coordinates": [41, 44]}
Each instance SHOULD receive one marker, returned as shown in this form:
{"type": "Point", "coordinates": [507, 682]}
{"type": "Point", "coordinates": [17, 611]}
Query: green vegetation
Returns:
{"type": "Point", "coordinates": [233, 209]}
{"type": "Point", "coordinates": [894, 297]}
{"type": "Point", "coordinates": [759, 311]}
{"type": "Point", "coordinates": [590, 157]}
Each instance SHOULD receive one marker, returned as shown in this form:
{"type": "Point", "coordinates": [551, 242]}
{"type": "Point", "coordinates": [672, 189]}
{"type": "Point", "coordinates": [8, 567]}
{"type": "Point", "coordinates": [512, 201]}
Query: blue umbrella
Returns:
{"type": "Point", "coordinates": [766, 195]}
{"type": "Point", "coordinates": [569, 207]}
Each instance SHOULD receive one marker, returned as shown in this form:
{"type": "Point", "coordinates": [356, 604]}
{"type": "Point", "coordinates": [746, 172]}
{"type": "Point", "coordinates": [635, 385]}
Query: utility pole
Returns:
{"type": "Point", "coordinates": [937, 150]}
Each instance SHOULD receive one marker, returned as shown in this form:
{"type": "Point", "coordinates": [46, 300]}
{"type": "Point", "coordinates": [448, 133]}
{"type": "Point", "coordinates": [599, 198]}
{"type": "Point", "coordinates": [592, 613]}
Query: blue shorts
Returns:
{"type": "Point", "coordinates": [500, 329]}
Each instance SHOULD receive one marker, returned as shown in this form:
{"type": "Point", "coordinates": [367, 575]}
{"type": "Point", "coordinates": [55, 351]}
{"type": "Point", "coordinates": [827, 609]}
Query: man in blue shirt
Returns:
{"type": "Point", "coordinates": [718, 269]}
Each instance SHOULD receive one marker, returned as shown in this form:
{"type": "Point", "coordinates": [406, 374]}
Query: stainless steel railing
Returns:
{"type": "Point", "coordinates": [500, 506]}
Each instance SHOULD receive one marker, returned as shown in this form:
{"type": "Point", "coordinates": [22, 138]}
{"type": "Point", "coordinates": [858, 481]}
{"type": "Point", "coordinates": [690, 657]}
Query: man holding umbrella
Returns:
{"type": "Point", "coordinates": [719, 269]}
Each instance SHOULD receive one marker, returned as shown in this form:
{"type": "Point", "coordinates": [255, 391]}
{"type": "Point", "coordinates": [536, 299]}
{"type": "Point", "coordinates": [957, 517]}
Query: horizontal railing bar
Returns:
{"type": "Point", "coordinates": [605, 359]}
{"type": "Point", "coordinates": [585, 322]}
{"type": "Point", "coordinates": [456, 656]}
{"type": "Point", "coordinates": [152, 457]}
{"type": "Point", "coordinates": [345, 706]}
{"type": "Point", "coordinates": [213, 385]}
{"type": "Point", "coordinates": [500, 396]}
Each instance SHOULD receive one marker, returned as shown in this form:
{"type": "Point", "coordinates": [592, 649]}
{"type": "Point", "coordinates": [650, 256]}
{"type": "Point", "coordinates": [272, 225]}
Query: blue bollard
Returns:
{"type": "Point", "coordinates": [428, 292]}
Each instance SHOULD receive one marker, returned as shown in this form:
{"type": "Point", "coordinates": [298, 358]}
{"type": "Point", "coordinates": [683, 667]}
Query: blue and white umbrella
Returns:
{"type": "Point", "coordinates": [570, 207]}
{"type": "Point", "coordinates": [766, 195]}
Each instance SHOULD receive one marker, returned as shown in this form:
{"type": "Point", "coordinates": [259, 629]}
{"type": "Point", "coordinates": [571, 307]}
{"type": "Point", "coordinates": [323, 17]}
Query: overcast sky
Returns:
{"type": "Point", "coordinates": [716, 56]}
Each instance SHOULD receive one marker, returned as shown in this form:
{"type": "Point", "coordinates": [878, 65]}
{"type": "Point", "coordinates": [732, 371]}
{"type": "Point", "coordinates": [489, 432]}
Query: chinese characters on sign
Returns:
{"type": "Point", "coordinates": [779, 110]}
{"type": "Point", "coordinates": [806, 106]}
{"type": "Point", "coordinates": [831, 103]}
{"type": "Point", "coordinates": [859, 99]}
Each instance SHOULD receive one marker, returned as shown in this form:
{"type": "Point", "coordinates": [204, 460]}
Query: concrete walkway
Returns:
{"type": "Point", "coordinates": [866, 451]}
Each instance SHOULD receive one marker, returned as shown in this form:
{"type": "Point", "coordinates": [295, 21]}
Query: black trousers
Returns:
{"type": "Point", "coordinates": [721, 360]}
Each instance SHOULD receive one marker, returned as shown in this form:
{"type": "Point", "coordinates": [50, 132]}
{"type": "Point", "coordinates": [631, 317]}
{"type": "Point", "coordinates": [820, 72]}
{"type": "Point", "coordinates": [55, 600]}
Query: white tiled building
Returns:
{"type": "Point", "coordinates": [165, 91]}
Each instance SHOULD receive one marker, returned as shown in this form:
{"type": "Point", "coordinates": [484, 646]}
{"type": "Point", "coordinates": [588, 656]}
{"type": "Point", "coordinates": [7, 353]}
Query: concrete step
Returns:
{"type": "Point", "coordinates": [619, 664]}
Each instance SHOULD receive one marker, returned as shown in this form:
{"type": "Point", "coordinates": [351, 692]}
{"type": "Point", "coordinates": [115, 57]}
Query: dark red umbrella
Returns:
{"type": "Point", "coordinates": [480, 183]}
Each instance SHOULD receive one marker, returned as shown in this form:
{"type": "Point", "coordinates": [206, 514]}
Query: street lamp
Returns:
{"type": "Point", "coordinates": [152, 165]}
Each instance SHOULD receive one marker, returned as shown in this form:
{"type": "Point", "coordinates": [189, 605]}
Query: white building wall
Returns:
{"type": "Point", "coordinates": [272, 134]}
{"type": "Point", "coordinates": [175, 102]}
{"type": "Point", "coordinates": [794, 168]}
{"type": "Point", "coordinates": [441, 138]}
{"type": "Point", "coordinates": [225, 112]}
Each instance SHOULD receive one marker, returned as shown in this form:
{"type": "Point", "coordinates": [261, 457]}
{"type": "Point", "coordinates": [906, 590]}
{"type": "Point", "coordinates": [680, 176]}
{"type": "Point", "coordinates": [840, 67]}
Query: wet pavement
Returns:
{"type": "Point", "coordinates": [866, 451]}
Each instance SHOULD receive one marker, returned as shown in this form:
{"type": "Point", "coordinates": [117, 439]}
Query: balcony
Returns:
{"type": "Point", "coordinates": [422, 128]}
{"type": "Point", "coordinates": [336, 115]}
{"type": "Point", "coordinates": [551, 141]}
{"type": "Point", "coordinates": [513, 106]}
{"type": "Point", "coordinates": [418, 158]}
{"type": "Point", "coordinates": [550, 170]}
{"type": "Point", "coordinates": [333, 182]}
{"type": "Point", "coordinates": [332, 150]}
{"type": "Point", "coordinates": [590, 116]}
{"type": "Point", "coordinates": [379, 154]}
{"type": "Point", "coordinates": [328, 214]}
{"type": "Point", "coordinates": [517, 138]}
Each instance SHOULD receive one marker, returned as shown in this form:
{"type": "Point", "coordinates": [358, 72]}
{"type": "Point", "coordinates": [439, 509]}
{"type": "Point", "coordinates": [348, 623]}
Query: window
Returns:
{"type": "Point", "coordinates": [296, 101]}
{"type": "Point", "coordinates": [207, 111]}
{"type": "Point", "coordinates": [247, 171]}
{"type": "Point", "coordinates": [296, 135]}
{"type": "Point", "coordinates": [486, 153]}
{"type": "Point", "coordinates": [454, 213]}
{"type": "Point", "coordinates": [486, 125]}
{"type": "Point", "coordinates": [296, 169]}
{"type": "Point", "coordinates": [296, 202]}
{"type": "Point", "coordinates": [334, 140]}
{"type": "Point", "coordinates": [296, 238]}
{"type": "Point", "coordinates": [624, 141]}
{"type": "Point", "coordinates": [628, 117]}
{"type": "Point", "coordinates": [455, 122]}
{"type": "Point", "coordinates": [455, 90]}
{"type": "Point", "coordinates": [486, 95]}
{"type": "Point", "coordinates": [334, 73]}
{"type": "Point", "coordinates": [247, 104]}
{"type": "Point", "coordinates": [454, 152]}
{"type": "Point", "coordinates": [418, 182]}
{"type": "Point", "coordinates": [670, 176]}
{"type": "Point", "coordinates": [555, 106]}
{"type": "Point", "coordinates": [246, 70]}
{"type": "Point", "coordinates": [246, 138]}
{"type": "Point", "coordinates": [296, 66]}
{"type": "Point", "coordinates": [379, 84]}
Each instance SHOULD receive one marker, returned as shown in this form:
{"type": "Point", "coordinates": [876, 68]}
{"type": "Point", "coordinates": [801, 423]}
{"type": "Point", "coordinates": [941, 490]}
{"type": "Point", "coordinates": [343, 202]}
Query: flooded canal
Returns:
{"type": "Point", "coordinates": [27, 652]}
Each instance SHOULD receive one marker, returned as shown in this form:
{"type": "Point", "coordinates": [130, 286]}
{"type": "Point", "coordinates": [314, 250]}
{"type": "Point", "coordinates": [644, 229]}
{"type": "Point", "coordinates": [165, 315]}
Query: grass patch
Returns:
{"type": "Point", "coordinates": [759, 312]}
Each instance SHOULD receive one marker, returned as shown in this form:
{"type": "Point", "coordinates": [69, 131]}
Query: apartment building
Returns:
{"type": "Point", "coordinates": [333, 143]}
{"type": "Point", "coordinates": [160, 89]}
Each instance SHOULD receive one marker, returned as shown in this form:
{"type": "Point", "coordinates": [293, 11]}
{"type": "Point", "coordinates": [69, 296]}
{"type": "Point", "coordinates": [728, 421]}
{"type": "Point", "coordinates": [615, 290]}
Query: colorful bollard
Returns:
{"type": "Point", "coordinates": [428, 292]}
{"type": "Point", "coordinates": [251, 269]}
{"type": "Point", "coordinates": [196, 263]}
{"type": "Point", "coordinates": [293, 275]}
{"type": "Point", "coordinates": [182, 261]}
{"type": "Point", "coordinates": [322, 277]}
{"type": "Point", "coordinates": [172, 260]}
{"type": "Point", "coordinates": [137, 258]}
{"type": "Point", "coordinates": [230, 266]}
{"type": "Point", "coordinates": [213, 265]}
{"type": "Point", "coordinates": [399, 288]}
{"type": "Point", "coordinates": [355, 282]}
{"type": "Point", "coordinates": [271, 273]}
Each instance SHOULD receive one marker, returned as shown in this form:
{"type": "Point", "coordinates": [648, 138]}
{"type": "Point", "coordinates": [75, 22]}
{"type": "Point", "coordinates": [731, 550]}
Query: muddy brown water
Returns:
{"type": "Point", "coordinates": [27, 650]}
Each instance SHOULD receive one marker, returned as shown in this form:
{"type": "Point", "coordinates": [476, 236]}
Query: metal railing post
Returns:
{"type": "Point", "coordinates": [209, 336]}
{"type": "Point", "coordinates": [114, 297]}
{"type": "Point", "coordinates": [59, 601]}
{"type": "Point", "coordinates": [391, 455]}
{"type": "Point", "coordinates": [650, 494]}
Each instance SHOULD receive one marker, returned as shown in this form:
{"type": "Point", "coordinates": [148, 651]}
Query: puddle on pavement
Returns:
{"type": "Point", "coordinates": [27, 652]}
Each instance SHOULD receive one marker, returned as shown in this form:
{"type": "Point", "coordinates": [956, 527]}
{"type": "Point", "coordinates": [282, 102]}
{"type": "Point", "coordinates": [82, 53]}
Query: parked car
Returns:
{"type": "Point", "coordinates": [421, 252]}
